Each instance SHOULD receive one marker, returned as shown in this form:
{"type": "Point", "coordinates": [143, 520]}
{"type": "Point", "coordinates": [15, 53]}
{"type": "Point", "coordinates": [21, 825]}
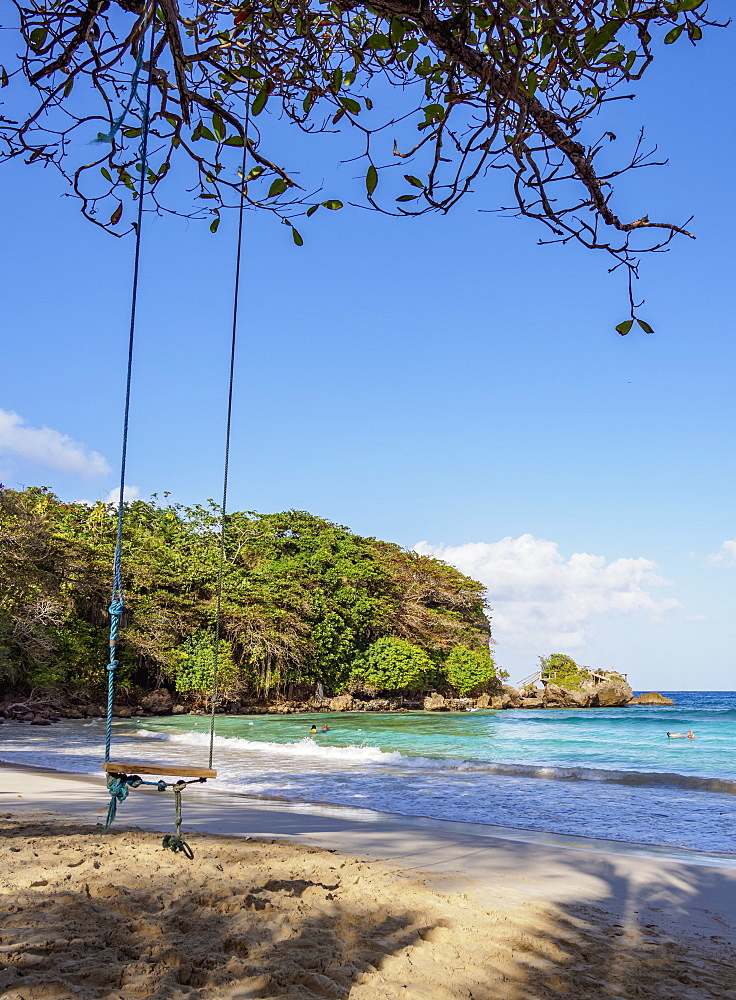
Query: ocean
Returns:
{"type": "Point", "coordinates": [605, 773]}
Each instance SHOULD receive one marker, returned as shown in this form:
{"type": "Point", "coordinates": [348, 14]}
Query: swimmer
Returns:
{"type": "Point", "coordinates": [325, 728]}
{"type": "Point", "coordinates": [690, 734]}
{"type": "Point", "coordinates": [676, 736]}
{"type": "Point", "coordinates": [312, 731]}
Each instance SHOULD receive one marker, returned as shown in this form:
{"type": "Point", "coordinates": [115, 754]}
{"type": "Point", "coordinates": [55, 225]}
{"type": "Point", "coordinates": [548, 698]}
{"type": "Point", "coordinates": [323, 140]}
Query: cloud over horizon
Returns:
{"type": "Point", "coordinates": [47, 447]}
{"type": "Point", "coordinates": [725, 556]}
{"type": "Point", "coordinates": [545, 602]}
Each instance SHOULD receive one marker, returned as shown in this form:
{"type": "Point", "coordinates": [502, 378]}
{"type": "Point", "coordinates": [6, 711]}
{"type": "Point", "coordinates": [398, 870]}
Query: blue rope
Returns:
{"type": "Point", "coordinates": [117, 123]}
{"type": "Point", "coordinates": [117, 604]}
{"type": "Point", "coordinates": [118, 786]}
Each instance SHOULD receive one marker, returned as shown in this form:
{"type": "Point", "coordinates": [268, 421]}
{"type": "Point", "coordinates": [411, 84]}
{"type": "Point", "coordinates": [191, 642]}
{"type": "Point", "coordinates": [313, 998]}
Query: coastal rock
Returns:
{"type": "Point", "coordinates": [158, 702]}
{"type": "Point", "coordinates": [377, 705]}
{"type": "Point", "coordinates": [122, 712]}
{"type": "Point", "coordinates": [531, 703]}
{"type": "Point", "coordinates": [612, 693]}
{"type": "Point", "coordinates": [178, 710]}
{"type": "Point", "coordinates": [651, 698]}
{"type": "Point", "coordinates": [435, 703]}
{"type": "Point", "coordinates": [343, 703]}
{"type": "Point", "coordinates": [578, 699]}
{"type": "Point", "coordinates": [554, 695]}
{"type": "Point", "coordinates": [511, 697]}
{"type": "Point", "coordinates": [484, 701]}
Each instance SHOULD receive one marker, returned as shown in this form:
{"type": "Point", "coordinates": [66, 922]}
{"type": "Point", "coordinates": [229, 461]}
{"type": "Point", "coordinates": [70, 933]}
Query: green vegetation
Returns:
{"type": "Point", "coordinates": [393, 664]}
{"type": "Point", "coordinates": [470, 671]}
{"type": "Point", "coordinates": [563, 670]}
{"type": "Point", "coordinates": [305, 601]}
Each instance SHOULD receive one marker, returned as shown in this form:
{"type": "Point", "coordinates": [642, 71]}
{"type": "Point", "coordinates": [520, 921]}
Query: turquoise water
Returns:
{"type": "Point", "coordinates": [608, 773]}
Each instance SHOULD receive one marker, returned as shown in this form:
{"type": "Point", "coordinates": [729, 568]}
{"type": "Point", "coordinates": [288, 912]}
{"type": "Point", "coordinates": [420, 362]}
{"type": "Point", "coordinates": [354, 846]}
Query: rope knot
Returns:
{"type": "Point", "coordinates": [116, 608]}
{"type": "Point", "coordinates": [177, 845]}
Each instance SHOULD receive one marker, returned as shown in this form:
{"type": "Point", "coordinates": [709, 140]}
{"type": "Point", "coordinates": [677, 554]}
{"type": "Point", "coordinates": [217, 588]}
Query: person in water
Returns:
{"type": "Point", "coordinates": [325, 728]}
{"type": "Point", "coordinates": [675, 736]}
{"type": "Point", "coordinates": [690, 734]}
{"type": "Point", "coordinates": [314, 730]}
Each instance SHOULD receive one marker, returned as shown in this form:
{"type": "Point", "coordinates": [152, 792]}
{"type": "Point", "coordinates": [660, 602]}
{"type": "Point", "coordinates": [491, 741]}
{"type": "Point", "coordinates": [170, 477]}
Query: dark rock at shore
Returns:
{"type": "Point", "coordinates": [80, 703]}
{"type": "Point", "coordinates": [651, 698]}
{"type": "Point", "coordinates": [158, 702]}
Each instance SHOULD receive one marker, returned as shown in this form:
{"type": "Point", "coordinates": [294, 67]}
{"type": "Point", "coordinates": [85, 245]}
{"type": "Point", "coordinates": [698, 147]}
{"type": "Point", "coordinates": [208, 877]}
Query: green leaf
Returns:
{"type": "Point", "coordinates": [379, 42]}
{"type": "Point", "coordinates": [38, 37]}
{"type": "Point", "coordinates": [254, 172]}
{"type": "Point", "coordinates": [278, 187]}
{"type": "Point", "coordinates": [214, 224]}
{"type": "Point", "coordinates": [116, 215]}
{"type": "Point", "coordinates": [132, 133]}
{"type": "Point", "coordinates": [623, 328]}
{"type": "Point", "coordinates": [234, 140]}
{"type": "Point", "coordinates": [407, 197]}
{"type": "Point", "coordinates": [219, 127]}
{"type": "Point", "coordinates": [673, 35]}
{"type": "Point", "coordinates": [350, 105]}
{"type": "Point", "coordinates": [106, 174]}
{"type": "Point", "coordinates": [296, 236]}
{"type": "Point", "coordinates": [414, 180]}
{"type": "Point", "coordinates": [263, 94]}
{"type": "Point", "coordinates": [4, 79]}
{"type": "Point", "coordinates": [337, 79]}
{"type": "Point", "coordinates": [371, 180]}
{"type": "Point", "coordinates": [311, 210]}
{"type": "Point", "coordinates": [645, 326]}
{"type": "Point", "coordinates": [695, 32]}
{"type": "Point", "coordinates": [333, 204]}
{"type": "Point", "coordinates": [68, 86]}
{"type": "Point", "coordinates": [397, 30]}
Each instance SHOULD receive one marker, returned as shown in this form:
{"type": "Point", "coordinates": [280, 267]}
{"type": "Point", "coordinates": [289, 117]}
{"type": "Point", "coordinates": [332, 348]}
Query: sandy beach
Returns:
{"type": "Point", "coordinates": [302, 902]}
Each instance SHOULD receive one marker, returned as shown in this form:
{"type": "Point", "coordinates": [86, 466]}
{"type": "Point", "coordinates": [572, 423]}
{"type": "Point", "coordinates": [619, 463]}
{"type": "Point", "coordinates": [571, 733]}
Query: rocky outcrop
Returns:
{"type": "Point", "coordinates": [435, 703]}
{"type": "Point", "coordinates": [613, 693]}
{"type": "Point", "coordinates": [651, 698]}
{"type": "Point", "coordinates": [577, 699]}
{"type": "Point", "coordinates": [343, 703]}
{"type": "Point", "coordinates": [158, 702]}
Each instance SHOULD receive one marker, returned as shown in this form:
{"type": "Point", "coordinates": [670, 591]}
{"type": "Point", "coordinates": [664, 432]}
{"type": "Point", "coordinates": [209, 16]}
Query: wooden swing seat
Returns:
{"type": "Point", "coordinates": [147, 767]}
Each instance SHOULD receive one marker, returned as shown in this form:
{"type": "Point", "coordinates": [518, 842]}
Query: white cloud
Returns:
{"type": "Point", "coordinates": [47, 447]}
{"type": "Point", "coordinates": [726, 555]}
{"type": "Point", "coordinates": [129, 493]}
{"type": "Point", "coordinates": [544, 602]}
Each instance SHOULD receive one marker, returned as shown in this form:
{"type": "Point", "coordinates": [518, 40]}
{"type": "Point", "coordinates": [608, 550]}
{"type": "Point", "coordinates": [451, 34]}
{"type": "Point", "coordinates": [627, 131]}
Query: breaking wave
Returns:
{"type": "Point", "coordinates": [367, 755]}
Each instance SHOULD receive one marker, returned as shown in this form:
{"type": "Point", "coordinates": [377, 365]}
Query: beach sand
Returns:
{"type": "Point", "coordinates": [330, 905]}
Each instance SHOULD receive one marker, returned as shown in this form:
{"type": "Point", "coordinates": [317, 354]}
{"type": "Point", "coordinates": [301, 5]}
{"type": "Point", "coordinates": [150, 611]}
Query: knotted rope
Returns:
{"type": "Point", "coordinates": [175, 842]}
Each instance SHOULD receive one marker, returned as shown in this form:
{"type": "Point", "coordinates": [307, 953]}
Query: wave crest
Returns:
{"type": "Point", "coordinates": [356, 754]}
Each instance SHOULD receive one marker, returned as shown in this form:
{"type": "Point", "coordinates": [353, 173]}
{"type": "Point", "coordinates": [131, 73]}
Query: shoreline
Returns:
{"type": "Point", "coordinates": [372, 817]}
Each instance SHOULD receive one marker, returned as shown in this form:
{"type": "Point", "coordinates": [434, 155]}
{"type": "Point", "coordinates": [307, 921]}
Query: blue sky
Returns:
{"type": "Point", "coordinates": [441, 380]}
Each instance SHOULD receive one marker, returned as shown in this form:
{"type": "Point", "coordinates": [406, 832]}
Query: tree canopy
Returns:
{"type": "Point", "coordinates": [437, 96]}
{"type": "Point", "coordinates": [303, 599]}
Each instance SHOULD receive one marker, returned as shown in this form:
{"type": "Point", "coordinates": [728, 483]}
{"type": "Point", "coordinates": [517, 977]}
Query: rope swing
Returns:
{"type": "Point", "coordinates": [124, 775]}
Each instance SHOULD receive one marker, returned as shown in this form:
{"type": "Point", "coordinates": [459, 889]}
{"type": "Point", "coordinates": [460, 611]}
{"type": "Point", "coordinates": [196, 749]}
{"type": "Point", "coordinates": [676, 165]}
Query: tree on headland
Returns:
{"type": "Point", "coordinates": [438, 97]}
{"type": "Point", "coordinates": [304, 600]}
